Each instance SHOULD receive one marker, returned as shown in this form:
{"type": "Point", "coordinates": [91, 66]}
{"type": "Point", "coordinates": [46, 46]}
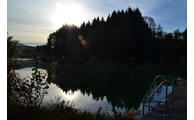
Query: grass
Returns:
{"type": "Point", "coordinates": [59, 110]}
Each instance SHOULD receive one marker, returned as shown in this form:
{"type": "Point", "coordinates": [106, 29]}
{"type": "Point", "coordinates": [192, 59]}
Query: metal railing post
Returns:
{"type": "Point", "coordinates": [166, 102]}
{"type": "Point", "coordinates": [143, 110]}
{"type": "Point", "coordinates": [164, 81]}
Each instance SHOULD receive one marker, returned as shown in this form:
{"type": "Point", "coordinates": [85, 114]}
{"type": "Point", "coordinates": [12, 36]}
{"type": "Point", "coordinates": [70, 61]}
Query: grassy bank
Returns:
{"type": "Point", "coordinates": [59, 110]}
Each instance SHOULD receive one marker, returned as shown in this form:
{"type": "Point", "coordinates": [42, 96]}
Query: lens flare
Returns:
{"type": "Point", "coordinates": [83, 42]}
{"type": "Point", "coordinates": [80, 37]}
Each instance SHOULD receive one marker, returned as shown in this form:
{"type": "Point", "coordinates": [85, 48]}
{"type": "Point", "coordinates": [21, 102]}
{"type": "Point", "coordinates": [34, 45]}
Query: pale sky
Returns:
{"type": "Point", "coordinates": [31, 21]}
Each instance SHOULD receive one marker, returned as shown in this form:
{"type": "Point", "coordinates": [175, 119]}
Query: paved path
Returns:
{"type": "Point", "coordinates": [179, 112]}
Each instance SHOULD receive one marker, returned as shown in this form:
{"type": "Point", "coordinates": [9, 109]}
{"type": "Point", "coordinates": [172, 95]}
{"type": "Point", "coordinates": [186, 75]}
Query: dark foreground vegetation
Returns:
{"type": "Point", "coordinates": [60, 110]}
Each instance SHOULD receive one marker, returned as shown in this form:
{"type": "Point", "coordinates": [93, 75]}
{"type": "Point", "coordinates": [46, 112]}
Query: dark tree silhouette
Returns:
{"type": "Point", "coordinates": [124, 35]}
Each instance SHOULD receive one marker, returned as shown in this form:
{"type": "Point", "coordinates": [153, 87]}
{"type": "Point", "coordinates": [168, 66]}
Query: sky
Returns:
{"type": "Point", "coordinates": [31, 21]}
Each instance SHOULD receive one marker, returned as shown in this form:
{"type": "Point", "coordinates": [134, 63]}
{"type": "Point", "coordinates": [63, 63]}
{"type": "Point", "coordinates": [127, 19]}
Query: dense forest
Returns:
{"type": "Point", "coordinates": [125, 37]}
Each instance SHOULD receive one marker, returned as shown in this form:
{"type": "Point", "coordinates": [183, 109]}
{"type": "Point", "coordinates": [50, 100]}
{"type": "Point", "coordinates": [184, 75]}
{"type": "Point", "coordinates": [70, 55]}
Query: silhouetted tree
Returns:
{"type": "Point", "coordinates": [12, 47]}
{"type": "Point", "coordinates": [124, 34]}
{"type": "Point", "coordinates": [42, 49]}
{"type": "Point", "coordinates": [151, 24]}
{"type": "Point", "coordinates": [159, 32]}
{"type": "Point", "coordinates": [168, 36]}
{"type": "Point", "coordinates": [177, 34]}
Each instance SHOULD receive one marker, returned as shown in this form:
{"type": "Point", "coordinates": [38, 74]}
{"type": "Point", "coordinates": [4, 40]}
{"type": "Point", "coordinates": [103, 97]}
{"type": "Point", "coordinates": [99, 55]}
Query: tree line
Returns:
{"type": "Point", "coordinates": [124, 37]}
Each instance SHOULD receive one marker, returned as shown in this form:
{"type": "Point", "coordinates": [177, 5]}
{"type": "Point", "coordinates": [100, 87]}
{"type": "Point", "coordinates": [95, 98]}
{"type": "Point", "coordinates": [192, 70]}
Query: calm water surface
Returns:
{"type": "Point", "coordinates": [93, 87]}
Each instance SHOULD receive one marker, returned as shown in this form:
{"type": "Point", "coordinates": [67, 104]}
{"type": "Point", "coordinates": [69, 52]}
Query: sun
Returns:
{"type": "Point", "coordinates": [68, 14]}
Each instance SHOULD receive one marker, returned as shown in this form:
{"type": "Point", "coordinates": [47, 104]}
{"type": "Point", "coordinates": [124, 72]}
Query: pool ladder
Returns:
{"type": "Point", "coordinates": [167, 103]}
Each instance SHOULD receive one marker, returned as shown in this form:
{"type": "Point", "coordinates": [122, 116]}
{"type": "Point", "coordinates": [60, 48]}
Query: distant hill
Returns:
{"type": "Point", "coordinates": [26, 51]}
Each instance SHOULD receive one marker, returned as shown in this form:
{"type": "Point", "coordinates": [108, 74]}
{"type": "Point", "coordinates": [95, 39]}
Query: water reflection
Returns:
{"type": "Point", "coordinates": [78, 99]}
{"type": "Point", "coordinates": [118, 87]}
{"type": "Point", "coordinates": [108, 88]}
{"type": "Point", "coordinates": [70, 95]}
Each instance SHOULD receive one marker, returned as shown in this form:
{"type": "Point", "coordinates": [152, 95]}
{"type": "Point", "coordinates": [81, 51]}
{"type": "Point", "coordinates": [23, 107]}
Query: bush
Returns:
{"type": "Point", "coordinates": [25, 94]}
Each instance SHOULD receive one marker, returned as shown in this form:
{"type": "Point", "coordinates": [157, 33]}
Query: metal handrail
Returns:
{"type": "Point", "coordinates": [152, 94]}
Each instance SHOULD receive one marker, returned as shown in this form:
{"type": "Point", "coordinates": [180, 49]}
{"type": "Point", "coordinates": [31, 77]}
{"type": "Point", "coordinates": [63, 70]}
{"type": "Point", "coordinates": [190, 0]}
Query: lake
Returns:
{"type": "Point", "coordinates": [91, 87]}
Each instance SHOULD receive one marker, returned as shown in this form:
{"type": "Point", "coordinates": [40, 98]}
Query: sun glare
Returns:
{"type": "Point", "coordinates": [68, 14]}
{"type": "Point", "coordinates": [70, 95]}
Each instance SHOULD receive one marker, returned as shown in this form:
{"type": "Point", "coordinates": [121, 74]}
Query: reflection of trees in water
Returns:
{"type": "Point", "coordinates": [121, 87]}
